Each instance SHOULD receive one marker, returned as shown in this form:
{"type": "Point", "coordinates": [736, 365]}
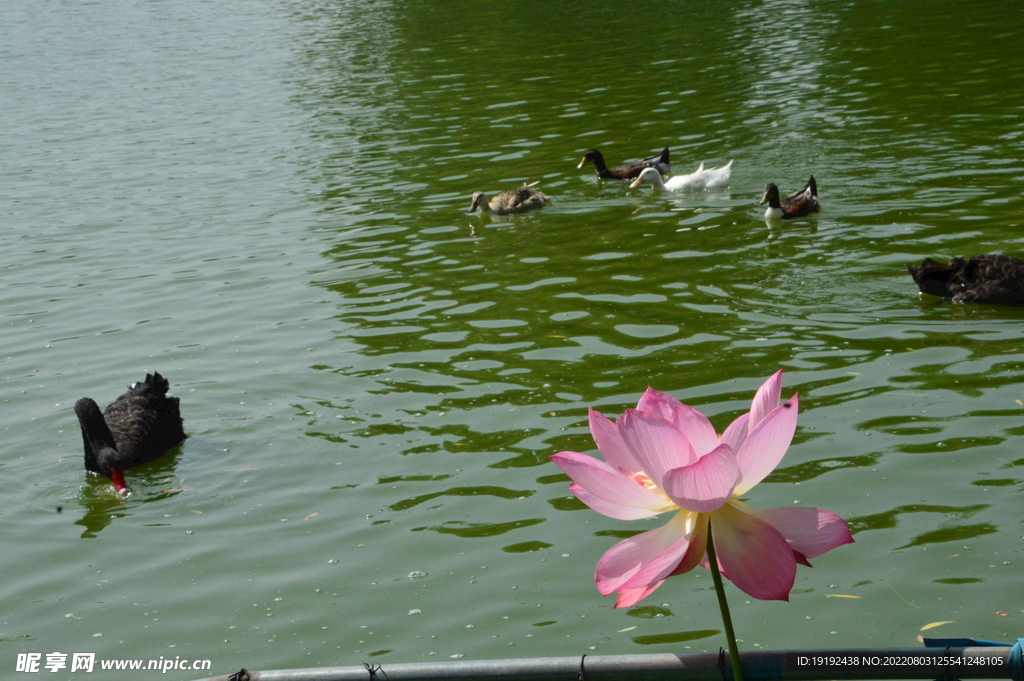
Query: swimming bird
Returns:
{"type": "Point", "coordinates": [796, 205]}
{"type": "Point", "coordinates": [511, 201]}
{"type": "Point", "coordinates": [136, 428]}
{"type": "Point", "coordinates": [699, 179]}
{"type": "Point", "coordinates": [995, 279]}
{"type": "Point", "coordinates": [626, 171]}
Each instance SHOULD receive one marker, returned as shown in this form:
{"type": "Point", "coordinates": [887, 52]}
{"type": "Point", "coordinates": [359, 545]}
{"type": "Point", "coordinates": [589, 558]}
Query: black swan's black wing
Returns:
{"type": "Point", "coordinates": [997, 279]}
{"type": "Point", "coordinates": [145, 422]}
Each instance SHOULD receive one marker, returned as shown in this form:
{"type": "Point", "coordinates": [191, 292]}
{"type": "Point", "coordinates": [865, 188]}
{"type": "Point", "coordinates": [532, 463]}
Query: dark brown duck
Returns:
{"type": "Point", "coordinates": [137, 427]}
{"type": "Point", "coordinates": [627, 171]}
{"type": "Point", "coordinates": [796, 205]}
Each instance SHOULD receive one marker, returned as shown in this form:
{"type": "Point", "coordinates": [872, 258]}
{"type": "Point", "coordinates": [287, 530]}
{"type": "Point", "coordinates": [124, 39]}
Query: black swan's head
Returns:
{"type": "Point", "coordinates": [933, 277]}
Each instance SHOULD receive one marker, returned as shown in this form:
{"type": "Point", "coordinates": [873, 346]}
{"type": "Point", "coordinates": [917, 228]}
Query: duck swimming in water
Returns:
{"type": "Point", "coordinates": [997, 279]}
{"type": "Point", "coordinates": [137, 427]}
{"type": "Point", "coordinates": [511, 201]}
{"type": "Point", "coordinates": [796, 205]}
{"type": "Point", "coordinates": [627, 171]}
{"type": "Point", "coordinates": [699, 179]}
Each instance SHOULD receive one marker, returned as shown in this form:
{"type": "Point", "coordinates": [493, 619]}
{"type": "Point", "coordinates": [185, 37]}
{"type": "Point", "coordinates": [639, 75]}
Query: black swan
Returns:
{"type": "Point", "coordinates": [136, 428]}
{"type": "Point", "coordinates": [627, 171]}
{"type": "Point", "coordinates": [796, 205]}
{"type": "Point", "coordinates": [982, 279]}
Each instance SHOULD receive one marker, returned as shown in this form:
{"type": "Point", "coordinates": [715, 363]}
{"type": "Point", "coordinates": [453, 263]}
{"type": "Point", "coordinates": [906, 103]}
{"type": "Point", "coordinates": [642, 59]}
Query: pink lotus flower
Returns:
{"type": "Point", "coordinates": [665, 456]}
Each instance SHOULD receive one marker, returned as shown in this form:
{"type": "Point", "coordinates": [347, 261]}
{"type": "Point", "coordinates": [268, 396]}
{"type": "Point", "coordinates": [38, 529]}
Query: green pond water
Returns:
{"type": "Point", "coordinates": [266, 202]}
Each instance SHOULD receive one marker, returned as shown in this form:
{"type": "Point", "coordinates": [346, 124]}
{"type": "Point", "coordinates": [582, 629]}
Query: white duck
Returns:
{"type": "Point", "coordinates": [699, 179]}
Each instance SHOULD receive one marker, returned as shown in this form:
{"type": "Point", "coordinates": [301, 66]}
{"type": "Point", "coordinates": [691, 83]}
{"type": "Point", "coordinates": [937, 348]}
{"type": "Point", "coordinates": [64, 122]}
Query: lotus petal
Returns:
{"type": "Point", "coordinates": [753, 554]}
{"type": "Point", "coordinates": [810, 531]}
{"type": "Point", "coordinates": [696, 427]}
{"type": "Point", "coordinates": [766, 399]}
{"type": "Point", "coordinates": [658, 403]}
{"type": "Point", "coordinates": [609, 443]}
{"type": "Point", "coordinates": [656, 443]}
{"type": "Point", "coordinates": [736, 433]}
{"type": "Point", "coordinates": [697, 552]}
{"type": "Point", "coordinates": [704, 486]}
{"type": "Point", "coordinates": [652, 555]}
{"type": "Point", "coordinates": [628, 597]}
{"type": "Point", "coordinates": [766, 444]}
{"type": "Point", "coordinates": [611, 492]}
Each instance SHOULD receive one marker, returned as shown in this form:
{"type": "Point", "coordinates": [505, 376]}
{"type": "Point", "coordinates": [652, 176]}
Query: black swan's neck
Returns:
{"type": "Point", "coordinates": [98, 440]}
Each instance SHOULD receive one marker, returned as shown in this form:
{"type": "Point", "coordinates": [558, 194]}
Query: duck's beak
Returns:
{"type": "Point", "coordinates": [582, 163]}
{"type": "Point", "coordinates": [636, 183]}
{"type": "Point", "coordinates": [764, 198]}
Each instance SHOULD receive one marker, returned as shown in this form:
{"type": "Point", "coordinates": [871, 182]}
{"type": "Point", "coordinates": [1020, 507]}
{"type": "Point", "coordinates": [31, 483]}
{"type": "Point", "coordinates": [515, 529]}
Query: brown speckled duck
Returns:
{"type": "Point", "coordinates": [627, 171]}
{"type": "Point", "coordinates": [796, 205]}
{"type": "Point", "coordinates": [997, 279]}
{"type": "Point", "coordinates": [511, 201]}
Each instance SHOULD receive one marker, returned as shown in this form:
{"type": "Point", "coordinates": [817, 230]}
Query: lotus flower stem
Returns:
{"type": "Point", "coordinates": [723, 605]}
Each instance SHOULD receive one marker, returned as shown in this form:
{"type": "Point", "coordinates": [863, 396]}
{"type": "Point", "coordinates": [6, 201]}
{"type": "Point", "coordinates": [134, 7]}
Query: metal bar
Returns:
{"type": "Point", "coordinates": [787, 665]}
